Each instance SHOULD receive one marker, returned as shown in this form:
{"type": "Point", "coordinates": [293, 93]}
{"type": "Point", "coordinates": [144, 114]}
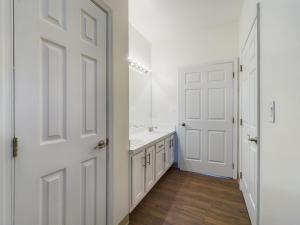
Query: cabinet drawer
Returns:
{"type": "Point", "coordinates": [160, 146]}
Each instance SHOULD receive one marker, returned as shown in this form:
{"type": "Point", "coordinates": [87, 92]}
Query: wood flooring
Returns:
{"type": "Point", "coordinates": [184, 198]}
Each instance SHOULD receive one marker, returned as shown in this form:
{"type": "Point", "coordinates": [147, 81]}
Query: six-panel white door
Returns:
{"type": "Point", "coordinates": [206, 117]}
{"type": "Point", "coordinates": [60, 112]}
{"type": "Point", "coordinates": [248, 131]}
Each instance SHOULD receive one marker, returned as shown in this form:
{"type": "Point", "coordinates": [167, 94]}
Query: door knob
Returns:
{"type": "Point", "coordinates": [255, 140]}
{"type": "Point", "coordinates": [183, 124]}
{"type": "Point", "coordinates": [101, 144]}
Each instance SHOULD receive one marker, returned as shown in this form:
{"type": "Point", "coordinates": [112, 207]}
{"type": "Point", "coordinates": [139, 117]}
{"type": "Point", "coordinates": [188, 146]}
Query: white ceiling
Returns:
{"type": "Point", "coordinates": [164, 19]}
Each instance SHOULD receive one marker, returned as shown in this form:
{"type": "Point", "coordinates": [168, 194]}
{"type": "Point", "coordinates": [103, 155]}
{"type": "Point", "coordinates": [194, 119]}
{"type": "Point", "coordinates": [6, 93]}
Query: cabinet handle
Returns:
{"type": "Point", "coordinates": [255, 140]}
{"type": "Point", "coordinates": [161, 146]}
{"type": "Point", "coordinates": [149, 159]}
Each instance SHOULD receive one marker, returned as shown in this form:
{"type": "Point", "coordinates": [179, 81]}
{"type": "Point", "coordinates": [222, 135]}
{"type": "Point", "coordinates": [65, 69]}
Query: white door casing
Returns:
{"type": "Point", "coordinates": [60, 112]}
{"type": "Point", "coordinates": [249, 127]}
{"type": "Point", "coordinates": [206, 119]}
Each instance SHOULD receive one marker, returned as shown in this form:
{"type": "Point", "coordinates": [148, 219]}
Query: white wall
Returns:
{"type": "Point", "coordinates": [140, 109]}
{"type": "Point", "coordinates": [280, 79]}
{"type": "Point", "coordinates": [139, 47]}
{"type": "Point", "coordinates": [199, 47]}
{"type": "Point", "coordinates": [120, 197]}
{"type": "Point", "coordinates": [1, 118]}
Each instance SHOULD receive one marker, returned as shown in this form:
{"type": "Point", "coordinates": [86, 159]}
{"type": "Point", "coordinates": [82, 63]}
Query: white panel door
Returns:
{"type": "Point", "coordinates": [248, 134]}
{"type": "Point", "coordinates": [150, 167]}
{"type": "Point", "coordinates": [206, 117]}
{"type": "Point", "coordinates": [60, 112]}
{"type": "Point", "coordinates": [138, 165]}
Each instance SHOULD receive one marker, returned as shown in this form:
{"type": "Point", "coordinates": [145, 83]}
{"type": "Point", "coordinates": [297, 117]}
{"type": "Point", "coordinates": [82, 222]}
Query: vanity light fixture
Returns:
{"type": "Point", "coordinates": [138, 66]}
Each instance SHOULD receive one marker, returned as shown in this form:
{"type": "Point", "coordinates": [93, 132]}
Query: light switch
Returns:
{"type": "Point", "coordinates": [272, 112]}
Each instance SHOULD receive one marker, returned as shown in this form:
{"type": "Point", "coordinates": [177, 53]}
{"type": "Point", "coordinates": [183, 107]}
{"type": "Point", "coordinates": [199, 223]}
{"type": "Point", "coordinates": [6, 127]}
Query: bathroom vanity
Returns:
{"type": "Point", "coordinates": [151, 155]}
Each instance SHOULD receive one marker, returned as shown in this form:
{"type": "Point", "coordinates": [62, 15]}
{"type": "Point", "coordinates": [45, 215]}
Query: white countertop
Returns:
{"type": "Point", "coordinates": [144, 138]}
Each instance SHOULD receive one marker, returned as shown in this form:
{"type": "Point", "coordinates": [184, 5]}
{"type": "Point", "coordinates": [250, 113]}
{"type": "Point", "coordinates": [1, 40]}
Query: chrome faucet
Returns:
{"type": "Point", "coordinates": [151, 129]}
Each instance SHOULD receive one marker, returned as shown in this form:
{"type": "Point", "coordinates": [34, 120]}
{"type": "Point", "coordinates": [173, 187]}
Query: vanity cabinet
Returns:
{"type": "Point", "coordinates": [147, 166]}
{"type": "Point", "coordinates": [142, 174]}
{"type": "Point", "coordinates": [159, 163]}
{"type": "Point", "coordinates": [172, 151]}
{"type": "Point", "coordinates": [168, 152]}
{"type": "Point", "coordinates": [138, 177]}
{"type": "Point", "coordinates": [150, 168]}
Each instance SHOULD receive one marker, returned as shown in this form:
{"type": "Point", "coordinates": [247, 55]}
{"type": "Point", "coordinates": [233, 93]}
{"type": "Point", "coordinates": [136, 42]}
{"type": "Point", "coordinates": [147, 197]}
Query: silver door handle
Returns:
{"type": "Point", "coordinates": [101, 144]}
{"type": "Point", "coordinates": [252, 139]}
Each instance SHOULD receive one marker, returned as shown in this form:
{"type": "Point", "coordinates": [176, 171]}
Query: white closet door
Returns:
{"type": "Point", "coordinates": [206, 117]}
{"type": "Point", "coordinates": [249, 135]}
{"type": "Point", "coordinates": [60, 112]}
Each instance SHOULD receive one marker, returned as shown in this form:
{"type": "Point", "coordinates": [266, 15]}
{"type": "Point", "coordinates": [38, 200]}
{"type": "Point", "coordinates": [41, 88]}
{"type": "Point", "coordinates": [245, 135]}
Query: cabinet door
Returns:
{"type": "Point", "coordinates": [137, 177]}
{"type": "Point", "coordinates": [172, 158]}
{"type": "Point", "coordinates": [150, 169]}
{"type": "Point", "coordinates": [159, 164]}
{"type": "Point", "coordinates": [167, 152]}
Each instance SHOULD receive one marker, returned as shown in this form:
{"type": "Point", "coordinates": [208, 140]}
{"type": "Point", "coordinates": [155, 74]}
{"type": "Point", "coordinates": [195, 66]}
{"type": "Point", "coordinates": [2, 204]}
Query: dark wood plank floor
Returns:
{"type": "Point", "coordinates": [183, 198]}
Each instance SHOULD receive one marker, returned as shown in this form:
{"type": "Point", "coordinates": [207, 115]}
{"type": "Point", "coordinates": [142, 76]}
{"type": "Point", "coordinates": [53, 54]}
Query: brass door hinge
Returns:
{"type": "Point", "coordinates": [15, 147]}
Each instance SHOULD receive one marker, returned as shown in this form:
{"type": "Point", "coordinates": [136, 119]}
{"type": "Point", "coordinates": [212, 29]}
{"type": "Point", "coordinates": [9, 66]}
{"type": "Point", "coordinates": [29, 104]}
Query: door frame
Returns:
{"type": "Point", "coordinates": [235, 64]}
{"type": "Point", "coordinates": [258, 20]}
{"type": "Point", "coordinates": [7, 111]}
